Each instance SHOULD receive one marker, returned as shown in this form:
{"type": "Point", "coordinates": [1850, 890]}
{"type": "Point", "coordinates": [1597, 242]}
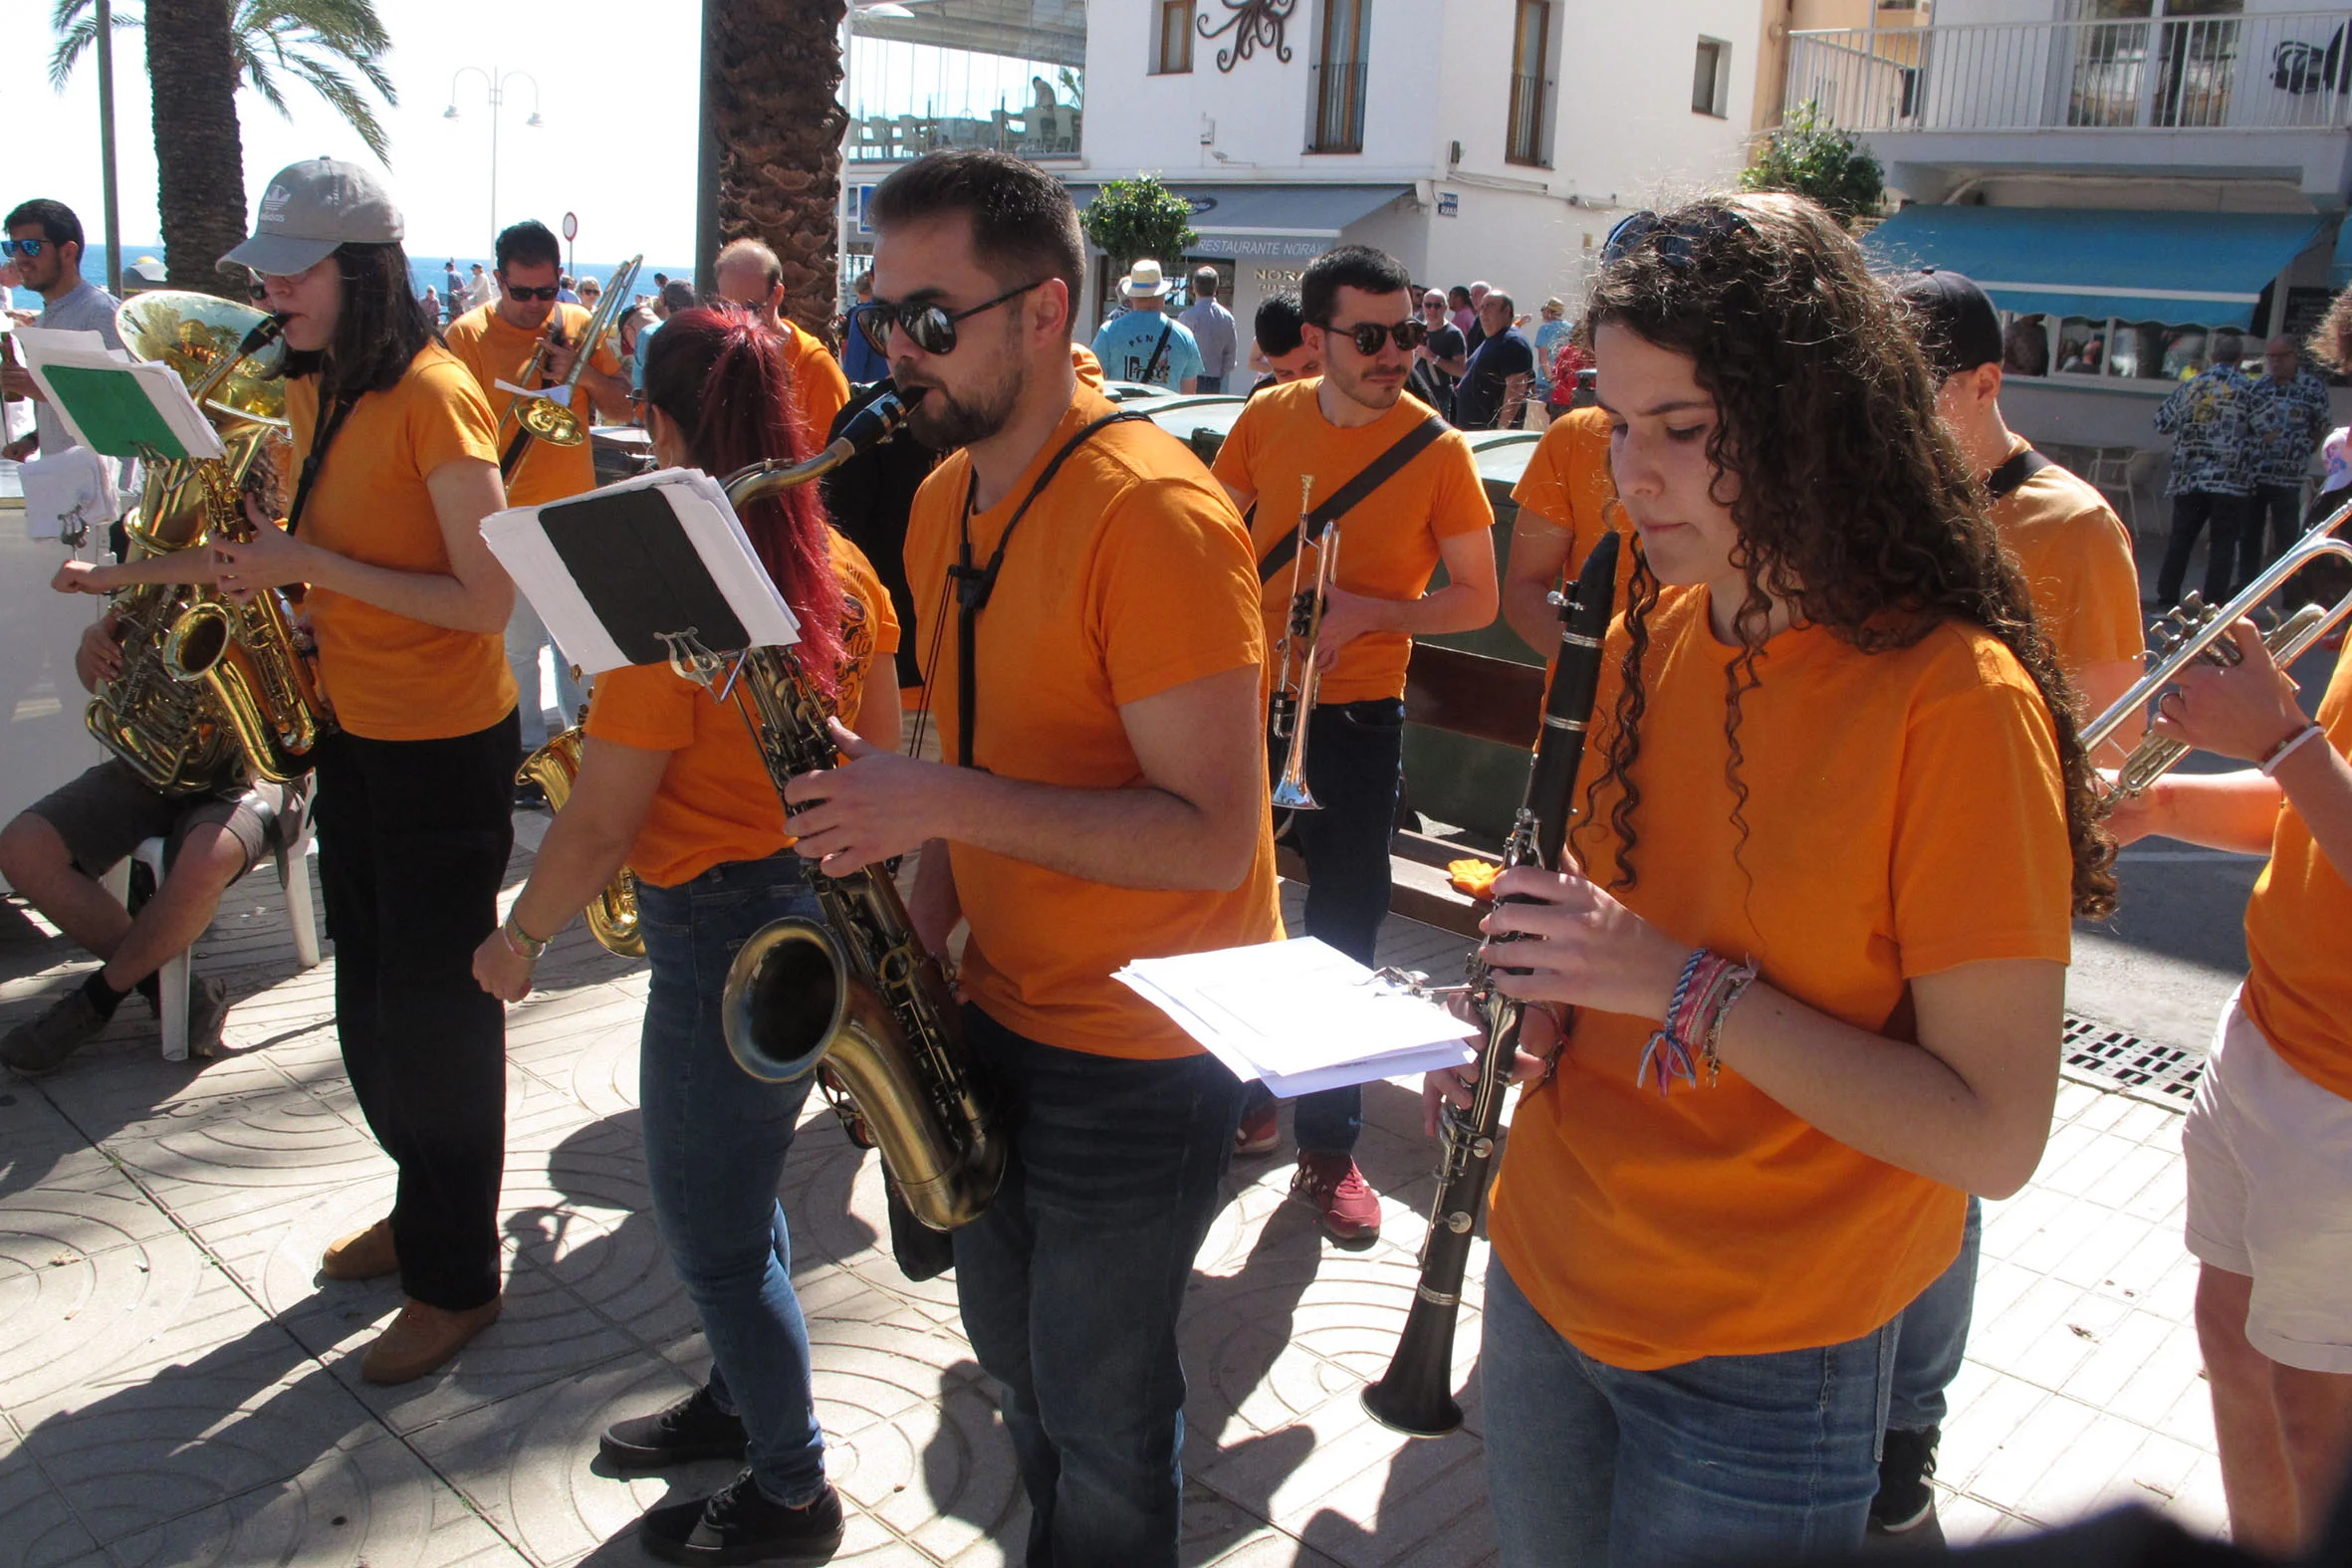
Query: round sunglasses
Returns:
{"type": "Point", "coordinates": [932, 327]}
{"type": "Point", "coordinates": [1369, 336]}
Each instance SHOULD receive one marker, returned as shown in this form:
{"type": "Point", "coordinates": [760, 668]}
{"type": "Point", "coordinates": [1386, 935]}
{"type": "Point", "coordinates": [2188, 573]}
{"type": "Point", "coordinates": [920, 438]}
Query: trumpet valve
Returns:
{"type": "Point", "coordinates": [1283, 714]}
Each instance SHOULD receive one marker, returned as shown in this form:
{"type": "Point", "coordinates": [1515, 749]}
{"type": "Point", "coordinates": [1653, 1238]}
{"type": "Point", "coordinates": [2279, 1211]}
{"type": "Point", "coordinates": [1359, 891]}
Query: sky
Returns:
{"type": "Point", "coordinates": [616, 90]}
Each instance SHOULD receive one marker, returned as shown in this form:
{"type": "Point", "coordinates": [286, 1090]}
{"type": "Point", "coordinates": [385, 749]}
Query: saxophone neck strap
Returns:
{"type": "Point", "coordinates": [975, 585]}
{"type": "Point", "coordinates": [1349, 496]}
{"type": "Point", "coordinates": [309, 465]}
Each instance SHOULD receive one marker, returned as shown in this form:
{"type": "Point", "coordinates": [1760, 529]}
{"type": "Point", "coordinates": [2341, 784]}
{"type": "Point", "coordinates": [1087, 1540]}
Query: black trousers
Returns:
{"type": "Point", "coordinates": [414, 838]}
{"type": "Point", "coordinates": [2276, 520]}
{"type": "Point", "coordinates": [2192, 509]}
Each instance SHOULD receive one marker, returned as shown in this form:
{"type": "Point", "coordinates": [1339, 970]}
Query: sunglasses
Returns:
{"type": "Point", "coordinates": [25, 248]}
{"type": "Point", "coordinates": [1369, 336]}
{"type": "Point", "coordinates": [932, 328]}
{"type": "Point", "coordinates": [1676, 242]}
{"type": "Point", "coordinates": [518, 291]}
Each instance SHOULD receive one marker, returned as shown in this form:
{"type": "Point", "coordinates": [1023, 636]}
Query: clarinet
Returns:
{"type": "Point", "coordinates": [1415, 1395]}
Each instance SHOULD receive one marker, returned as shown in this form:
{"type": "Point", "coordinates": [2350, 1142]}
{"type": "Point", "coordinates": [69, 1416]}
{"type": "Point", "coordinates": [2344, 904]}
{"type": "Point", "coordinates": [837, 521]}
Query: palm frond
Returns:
{"type": "Point", "coordinates": [75, 26]}
{"type": "Point", "coordinates": [347, 102]}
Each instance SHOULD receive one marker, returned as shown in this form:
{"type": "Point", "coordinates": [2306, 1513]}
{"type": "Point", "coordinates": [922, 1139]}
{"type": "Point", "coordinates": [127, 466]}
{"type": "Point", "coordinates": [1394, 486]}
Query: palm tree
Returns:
{"type": "Point", "coordinates": [772, 78]}
{"type": "Point", "coordinates": [199, 157]}
{"type": "Point", "coordinates": [312, 40]}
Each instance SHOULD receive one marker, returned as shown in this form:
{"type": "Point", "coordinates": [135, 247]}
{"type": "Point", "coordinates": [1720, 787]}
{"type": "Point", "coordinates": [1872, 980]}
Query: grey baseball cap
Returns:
{"type": "Point", "coordinates": [309, 210]}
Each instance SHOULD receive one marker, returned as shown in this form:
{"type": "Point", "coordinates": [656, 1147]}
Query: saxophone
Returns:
{"type": "Point", "coordinates": [205, 682]}
{"type": "Point", "coordinates": [612, 913]}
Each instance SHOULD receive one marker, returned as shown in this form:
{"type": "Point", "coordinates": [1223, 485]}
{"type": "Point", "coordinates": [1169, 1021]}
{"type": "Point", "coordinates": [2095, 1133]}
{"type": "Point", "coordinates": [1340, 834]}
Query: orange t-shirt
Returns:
{"type": "Point", "coordinates": [1568, 484]}
{"type": "Point", "coordinates": [2078, 561]}
{"type": "Point", "coordinates": [819, 389]}
{"type": "Point", "coordinates": [497, 351]}
{"type": "Point", "coordinates": [716, 803]}
{"type": "Point", "coordinates": [392, 678]}
{"type": "Point", "coordinates": [2298, 986]}
{"type": "Point", "coordinates": [1129, 576]}
{"type": "Point", "coordinates": [1388, 541]}
{"type": "Point", "coordinates": [1906, 816]}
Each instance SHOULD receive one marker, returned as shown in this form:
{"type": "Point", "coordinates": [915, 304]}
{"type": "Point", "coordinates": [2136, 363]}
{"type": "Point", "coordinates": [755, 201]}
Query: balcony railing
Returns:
{"type": "Point", "coordinates": [905, 101]}
{"type": "Point", "coordinates": [1523, 140]}
{"type": "Point", "coordinates": [2282, 70]}
{"type": "Point", "coordinates": [1338, 89]}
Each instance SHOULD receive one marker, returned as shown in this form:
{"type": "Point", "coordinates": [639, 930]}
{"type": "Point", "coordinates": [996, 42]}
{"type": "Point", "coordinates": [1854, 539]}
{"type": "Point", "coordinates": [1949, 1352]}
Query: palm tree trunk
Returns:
{"type": "Point", "coordinates": [771, 76]}
{"type": "Point", "coordinates": [199, 157]}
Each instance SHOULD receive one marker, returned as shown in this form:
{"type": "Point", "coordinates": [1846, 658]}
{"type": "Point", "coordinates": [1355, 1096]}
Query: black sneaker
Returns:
{"type": "Point", "coordinates": [208, 1010]}
{"type": "Point", "coordinates": [1905, 1501]}
{"type": "Point", "coordinates": [44, 1044]}
{"type": "Point", "coordinates": [738, 1525]}
{"type": "Point", "coordinates": [692, 1429]}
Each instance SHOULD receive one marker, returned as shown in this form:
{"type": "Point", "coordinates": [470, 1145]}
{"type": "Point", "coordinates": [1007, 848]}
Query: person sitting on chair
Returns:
{"type": "Point", "coordinates": [54, 852]}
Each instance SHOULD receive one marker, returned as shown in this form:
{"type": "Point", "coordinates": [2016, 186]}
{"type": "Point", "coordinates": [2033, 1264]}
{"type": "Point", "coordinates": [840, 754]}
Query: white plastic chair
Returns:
{"type": "Point", "coordinates": [2111, 475]}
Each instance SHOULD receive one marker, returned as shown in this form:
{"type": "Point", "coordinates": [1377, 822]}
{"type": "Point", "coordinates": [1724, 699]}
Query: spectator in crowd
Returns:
{"type": "Point", "coordinates": [2327, 579]}
{"type": "Point", "coordinates": [481, 289]}
{"type": "Point", "coordinates": [1212, 329]}
{"type": "Point", "coordinates": [1475, 332]}
{"type": "Point", "coordinates": [2286, 418]}
{"type": "Point", "coordinates": [628, 337]}
{"type": "Point", "coordinates": [2025, 350]}
{"type": "Point", "coordinates": [1441, 360]}
{"type": "Point", "coordinates": [2212, 477]}
{"type": "Point", "coordinates": [2085, 359]}
{"type": "Point", "coordinates": [433, 305]}
{"type": "Point", "coordinates": [1502, 365]}
{"type": "Point", "coordinates": [861, 361]}
{"type": "Point", "coordinates": [749, 273]}
{"type": "Point", "coordinates": [591, 293]}
{"type": "Point", "coordinates": [1571, 362]}
{"type": "Point", "coordinates": [565, 292]}
{"type": "Point", "coordinates": [1458, 303]}
{"type": "Point", "coordinates": [1555, 330]}
{"type": "Point", "coordinates": [452, 287]}
{"type": "Point", "coordinates": [1143, 342]}
{"type": "Point", "coordinates": [45, 243]}
{"type": "Point", "coordinates": [1281, 347]}
{"type": "Point", "coordinates": [675, 295]}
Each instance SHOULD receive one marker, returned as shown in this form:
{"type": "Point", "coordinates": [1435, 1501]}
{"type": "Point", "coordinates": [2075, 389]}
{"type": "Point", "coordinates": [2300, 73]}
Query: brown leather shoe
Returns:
{"type": "Point", "coordinates": [364, 1255]}
{"type": "Point", "coordinates": [423, 1338]}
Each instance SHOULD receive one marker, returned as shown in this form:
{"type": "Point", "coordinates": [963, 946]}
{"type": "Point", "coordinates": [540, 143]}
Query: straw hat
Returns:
{"type": "Point", "coordinates": [1145, 283]}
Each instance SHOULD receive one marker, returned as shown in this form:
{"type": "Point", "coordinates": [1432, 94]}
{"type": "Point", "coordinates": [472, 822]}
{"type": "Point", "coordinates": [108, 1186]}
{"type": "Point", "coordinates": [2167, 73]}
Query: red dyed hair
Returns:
{"type": "Point", "coordinates": [720, 374]}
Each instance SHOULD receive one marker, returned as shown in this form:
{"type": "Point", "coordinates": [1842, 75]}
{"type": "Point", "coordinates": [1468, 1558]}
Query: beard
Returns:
{"type": "Point", "coordinates": [1371, 394]}
{"type": "Point", "coordinates": [945, 420]}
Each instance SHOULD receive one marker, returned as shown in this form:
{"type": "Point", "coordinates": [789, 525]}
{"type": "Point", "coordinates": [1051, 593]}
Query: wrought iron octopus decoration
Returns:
{"type": "Point", "coordinates": [1253, 23]}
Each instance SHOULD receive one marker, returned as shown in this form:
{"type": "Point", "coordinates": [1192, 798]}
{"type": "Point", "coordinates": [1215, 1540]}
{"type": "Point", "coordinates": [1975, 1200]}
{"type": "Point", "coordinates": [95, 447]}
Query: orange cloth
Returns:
{"type": "Point", "coordinates": [819, 389]}
{"type": "Point", "coordinates": [1129, 576]}
{"type": "Point", "coordinates": [1906, 816]}
{"type": "Point", "coordinates": [2078, 561]}
{"type": "Point", "coordinates": [1389, 543]}
{"type": "Point", "coordinates": [2298, 988]}
{"type": "Point", "coordinates": [716, 803]}
{"type": "Point", "coordinates": [1568, 485]}
{"type": "Point", "coordinates": [1089, 369]}
{"type": "Point", "coordinates": [497, 351]}
{"type": "Point", "coordinates": [392, 678]}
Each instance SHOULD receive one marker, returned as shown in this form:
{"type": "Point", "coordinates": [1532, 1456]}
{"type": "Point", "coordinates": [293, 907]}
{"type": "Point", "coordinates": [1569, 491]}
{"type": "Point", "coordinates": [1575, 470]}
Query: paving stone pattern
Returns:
{"type": "Point", "coordinates": [177, 1386]}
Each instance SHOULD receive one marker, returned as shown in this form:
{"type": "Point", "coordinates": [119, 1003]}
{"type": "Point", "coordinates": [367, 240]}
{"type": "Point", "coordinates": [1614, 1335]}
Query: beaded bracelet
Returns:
{"type": "Point", "coordinates": [2286, 749]}
{"type": "Point", "coordinates": [1687, 1035]}
{"type": "Point", "coordinates": [522, 944]}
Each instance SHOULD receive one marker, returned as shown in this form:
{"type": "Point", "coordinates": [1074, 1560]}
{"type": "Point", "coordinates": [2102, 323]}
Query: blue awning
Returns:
{"type": "Point", "coordinates": [2206, 267]}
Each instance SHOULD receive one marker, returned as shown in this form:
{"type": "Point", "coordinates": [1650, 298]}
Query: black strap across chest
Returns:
{"type": "Point", "coordinates": [973, 585]}
{"type": "Point", "coordinates": [318, 456]}
{"type": "Point", "coordinates": [1348, 496]}
{"type": "Point", "coordinates": [2021, 466]}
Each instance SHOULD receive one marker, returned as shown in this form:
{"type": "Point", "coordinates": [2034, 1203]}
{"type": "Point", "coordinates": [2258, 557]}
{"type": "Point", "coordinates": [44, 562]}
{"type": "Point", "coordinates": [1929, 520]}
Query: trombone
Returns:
{"type": "Point", "coordinates": [547, 416]}
{"type": "Point", "coordinates": [2196, 630]}
{"type": "Point", "coordinates": [1293, 699]}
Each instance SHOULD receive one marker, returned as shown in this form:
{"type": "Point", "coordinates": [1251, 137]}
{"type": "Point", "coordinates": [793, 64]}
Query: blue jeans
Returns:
{"type": "Point", "coordinates": [1933, 1334]}
{"type": "Point", "coordinates": [714, 1142]}
{"type": "Point", "coordinates": [1727, 1458]}
{"type": "Point", "coordinates": [1355, 769]}
{"type": "Point", "coordinates": [1071, 1281]}
{"type": "Point", "coordinates": [1208, 383]}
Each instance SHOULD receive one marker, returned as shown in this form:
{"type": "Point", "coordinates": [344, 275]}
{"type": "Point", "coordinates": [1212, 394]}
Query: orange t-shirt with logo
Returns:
{"type": "Point", "coordinates": [1906, 816]}
{"type": "Point", "coordinates": [2078, 559]}
{"type": "Point", "coordinates": [2298, 985]}
{"type": "Point", "coordinates": [1129, 576]}
{"type": "Point", "coordinates": [716, 803]}
{"type": "Point", "coordinates": [497, 351]}
{"type": "Point", "coordinates": [820, 391]}
{"type": "Point", "coordinates": [392, 678]}
{"type": "Point", "coordinates": [1567, 484]}
{"type": "Point", "coordinates": [1388, 541]}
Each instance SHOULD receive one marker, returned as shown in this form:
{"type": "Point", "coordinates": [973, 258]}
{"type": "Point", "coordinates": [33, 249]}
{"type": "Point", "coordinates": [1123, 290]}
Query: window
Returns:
{"type": "Point", "coordinates": [1710, 79]}
{"type": "Point", "coordinates": [1171, 51]}
{"type": "Point", "coordinates": [1338, 98]}
{"type": "Point", "coordinates": [1523, 138]}
{"type": "Point", "coordinates": [2157, 351]}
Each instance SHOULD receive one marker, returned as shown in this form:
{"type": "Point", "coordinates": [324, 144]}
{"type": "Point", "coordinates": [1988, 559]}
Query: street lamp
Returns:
{"type": "Point", "coordinates": [494, 82]}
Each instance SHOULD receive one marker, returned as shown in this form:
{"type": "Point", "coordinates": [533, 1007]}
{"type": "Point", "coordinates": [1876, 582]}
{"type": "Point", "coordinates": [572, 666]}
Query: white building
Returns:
{"type": "Point", "coordinates": [1494, 139]}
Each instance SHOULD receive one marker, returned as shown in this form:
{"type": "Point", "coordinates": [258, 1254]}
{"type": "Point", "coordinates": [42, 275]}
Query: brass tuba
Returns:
{"type": "Point", "coordinates": [205, 681]}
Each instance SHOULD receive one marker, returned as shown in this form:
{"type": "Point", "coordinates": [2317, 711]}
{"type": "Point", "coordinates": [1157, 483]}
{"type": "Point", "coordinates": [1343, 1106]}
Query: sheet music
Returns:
{"type": "Point", "coordinates": [158, 385]}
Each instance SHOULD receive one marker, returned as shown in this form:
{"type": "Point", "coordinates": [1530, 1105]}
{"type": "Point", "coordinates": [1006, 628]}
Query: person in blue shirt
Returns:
{"type": "Point", "coordinates": [861, 361]}
{"type": "Point", "coordinates": [1145, 344]}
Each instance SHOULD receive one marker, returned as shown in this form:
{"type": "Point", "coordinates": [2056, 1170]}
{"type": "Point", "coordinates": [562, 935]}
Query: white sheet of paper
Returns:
{"type": "Point", "coordinates": [55, 489]}
{"type": "Point", "coordinates": [521, 545]}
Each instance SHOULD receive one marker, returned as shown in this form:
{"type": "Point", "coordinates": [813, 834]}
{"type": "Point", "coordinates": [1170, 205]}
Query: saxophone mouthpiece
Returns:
{"type": "Point", "coordinates": [265, 331]}
{"type": "Point", "coordinates": [878, 421]}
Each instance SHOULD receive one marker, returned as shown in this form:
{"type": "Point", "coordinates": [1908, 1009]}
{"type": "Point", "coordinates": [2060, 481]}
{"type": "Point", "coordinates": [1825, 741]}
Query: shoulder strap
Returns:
{"type": "Point", "coordinates": [2021, 466]}
{"type": "Point", "coordinates": [1348, 496]}
{"type": "Point", "coordinates": [975, 585]}
{"type": "Point", "coordinates": [1152, 365]}
{"type": "Point", "coordinates": [318, 456]}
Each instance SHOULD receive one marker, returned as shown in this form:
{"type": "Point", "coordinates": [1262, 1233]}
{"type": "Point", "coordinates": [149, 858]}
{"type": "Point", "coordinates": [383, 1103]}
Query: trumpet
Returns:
{"type": "Point", "coordinates": [1293, 706]}
{"type": "Point", "coordinates": [2198, 630]}
{"type": "Point", "coordinates": [547, 415]}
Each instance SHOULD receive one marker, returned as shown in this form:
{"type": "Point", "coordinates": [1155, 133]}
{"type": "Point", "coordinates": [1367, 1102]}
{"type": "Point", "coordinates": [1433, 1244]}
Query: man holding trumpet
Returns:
{"type": "Point", "coordinates": [1423, 504]}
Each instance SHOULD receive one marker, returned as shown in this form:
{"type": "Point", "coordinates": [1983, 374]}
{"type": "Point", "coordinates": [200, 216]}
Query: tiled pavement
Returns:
{"type": "Point", "coordinates": [177, 1387]}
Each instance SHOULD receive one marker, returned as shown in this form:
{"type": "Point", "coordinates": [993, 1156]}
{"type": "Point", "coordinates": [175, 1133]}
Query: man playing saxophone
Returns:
{"type": "Point", "coordinates": [1091, 597]}
{"type": "Point", "coordinates": [523, 337]}
{"type": "Point", "coordinates": [673, 785]}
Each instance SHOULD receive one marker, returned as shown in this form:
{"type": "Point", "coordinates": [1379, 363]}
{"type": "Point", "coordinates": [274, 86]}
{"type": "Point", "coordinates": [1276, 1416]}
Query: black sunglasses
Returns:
{"type": "Point", "coordinates": [518, 291]}
{"type": "Point", "coordinates": [26, 248]}
{"type": "Point", "coordinates": [1369, 336]}
{"type": "Point", "coordinates": [931, 327]}
{"type": "Point", "coordinates": [1675, 241]}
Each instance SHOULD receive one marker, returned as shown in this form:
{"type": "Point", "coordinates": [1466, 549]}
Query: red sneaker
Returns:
{"type": "Point", "coordinates": [1333, 1185]}
{"type": "Point", "coordinates": [1258, 1131]}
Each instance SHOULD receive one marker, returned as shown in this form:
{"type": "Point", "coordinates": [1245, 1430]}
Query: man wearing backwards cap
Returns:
{"type": "Point", "coordinates": [1143, 342]}
{"type": "Point", "coordinates": [2076, 557]}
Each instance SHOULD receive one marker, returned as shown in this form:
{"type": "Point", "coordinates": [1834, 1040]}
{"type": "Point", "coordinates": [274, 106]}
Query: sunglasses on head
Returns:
{"type": "Point", "coordinates": [932, 327]}
{"type": "Point", "coordinates": [517, 291]}
{"type": "Point", "coordinates": [26, 248]}
{"type": "Point", "coordinates": [1369, 336]}
{"type": "Point", "coordinates": [1674, 240]}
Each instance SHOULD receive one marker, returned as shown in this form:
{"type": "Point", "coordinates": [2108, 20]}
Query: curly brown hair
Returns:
{"type": "Point", "coordinates": [1821, 391]}
{"type": "Point", "coordinates": [2330, 342]}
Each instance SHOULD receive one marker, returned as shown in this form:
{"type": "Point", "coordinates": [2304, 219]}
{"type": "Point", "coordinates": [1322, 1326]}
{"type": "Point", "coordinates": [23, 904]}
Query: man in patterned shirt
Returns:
{"type": "Point", "coordinates": [2286, 418]}
{"type": "Point", "coordinates": [2211, 479]}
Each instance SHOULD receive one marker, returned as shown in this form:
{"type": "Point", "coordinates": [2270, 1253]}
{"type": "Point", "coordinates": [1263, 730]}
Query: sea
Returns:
{"type": "Point", "coordinates": [423, 272]}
